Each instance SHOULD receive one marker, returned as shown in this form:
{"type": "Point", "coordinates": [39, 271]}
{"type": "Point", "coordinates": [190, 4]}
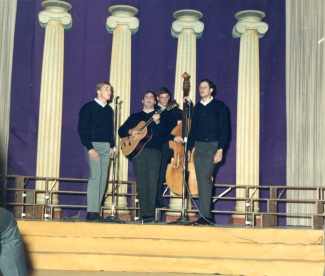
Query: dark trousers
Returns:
{"type": "Point", "coordinates": [165, 160]}
{"type": "Point", "coordinates": [204, 168]}
{"type": "Point", "coordinates": [146, 166]}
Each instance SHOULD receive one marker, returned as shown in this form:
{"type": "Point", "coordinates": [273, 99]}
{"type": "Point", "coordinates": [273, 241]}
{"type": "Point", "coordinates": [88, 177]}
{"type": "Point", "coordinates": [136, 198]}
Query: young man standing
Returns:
{"type": "Point", "coordinates": [96, 131]}
{"type": "Point", "coordinates": [172, 117]}
{"type": "Point", "coordinates": [146, 164]}
{"type": "Point", "coordinates": [209, 135]}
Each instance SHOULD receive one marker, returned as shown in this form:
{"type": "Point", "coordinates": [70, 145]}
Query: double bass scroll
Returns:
{"type": "Point", "coordinates": [174, 172]}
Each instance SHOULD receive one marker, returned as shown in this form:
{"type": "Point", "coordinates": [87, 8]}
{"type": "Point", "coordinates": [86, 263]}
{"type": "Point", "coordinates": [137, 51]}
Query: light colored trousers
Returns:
{"type": "Point", "coordinates": [98, 172]}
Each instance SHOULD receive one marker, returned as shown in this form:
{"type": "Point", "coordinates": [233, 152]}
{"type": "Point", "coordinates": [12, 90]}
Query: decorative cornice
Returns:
{"type": "Point", "coordinates": [55, 10]}
{"type": "Point", "coordinates": [187, 19]}
{"type": "Point", "coordinates": [122, 15]}
{"type": "Point", "coordinates": [250, 20]}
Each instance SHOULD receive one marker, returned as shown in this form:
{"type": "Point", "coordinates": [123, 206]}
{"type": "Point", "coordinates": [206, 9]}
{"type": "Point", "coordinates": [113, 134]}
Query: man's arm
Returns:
{"type": "Point", "coordinates": [83, 129]}
{"type": "Point", "coordinates": [125, 129]}
{"type": "Point", "coordinates": [112, 132]}
{"type": "Point", "coordinates": [223, 126]}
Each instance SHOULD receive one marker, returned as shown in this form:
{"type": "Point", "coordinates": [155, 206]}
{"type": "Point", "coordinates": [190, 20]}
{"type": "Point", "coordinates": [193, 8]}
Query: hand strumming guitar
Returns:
{"type": "Point", "coordinates": [134, 132]}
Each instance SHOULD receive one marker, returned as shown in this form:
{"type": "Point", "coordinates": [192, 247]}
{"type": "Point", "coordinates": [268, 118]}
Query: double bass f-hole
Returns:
{"type": "Point", "coordinates": [178, 160]}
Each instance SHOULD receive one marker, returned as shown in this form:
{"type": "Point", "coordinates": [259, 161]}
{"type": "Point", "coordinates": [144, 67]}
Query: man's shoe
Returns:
{"type": "Point", "coordinates": [149, 220]}
{"type": "Point", "coordinates": [204, 221]}
{"type": "Point", "coordinates": [92, 216]}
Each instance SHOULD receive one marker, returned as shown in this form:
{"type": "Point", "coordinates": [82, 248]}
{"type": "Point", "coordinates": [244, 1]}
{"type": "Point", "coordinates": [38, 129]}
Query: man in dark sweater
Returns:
{"type": "Point", "coordinates": [171, 116]}
{"type": "Point", "coordinates": [12, 256]}
{"type": "Point", "coordinates": [96, 131]}
{"type": "Point", "coordinates": [209, 136]}
{"type": "Point", "coordinates": [146, 164]}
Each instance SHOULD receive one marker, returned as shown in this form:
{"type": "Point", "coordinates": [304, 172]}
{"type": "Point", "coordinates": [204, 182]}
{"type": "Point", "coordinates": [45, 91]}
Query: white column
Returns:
{"type": "Point", "coordinates": [8, 11]}
{"type": "Point", "coordinates": [250, 29]}
{"type": "Point", "coordinates": [305, 101]}
{"type": "Point", "coordinates": [55, 19]}
{"type": "Point", "coordinates": [122, 24]}
{"type": "Point", "coordinates": [187, 28]}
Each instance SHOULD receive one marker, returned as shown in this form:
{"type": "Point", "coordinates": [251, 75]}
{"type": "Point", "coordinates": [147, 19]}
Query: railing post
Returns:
{"type": "Point", "coordinates": [33, 211]}
{"type": "Point", "coordinates": [272, 207]}
{"type": "Point", "coordinates": [19, 197]}
{"type": "Point", "coordinates": [246, 205]}
{"type": "Point", "coordinates": [133, 199]}
{"type": "Point", "coordinates": [318, 221]}
{"type": "Point", "coordinates": [48, 200]}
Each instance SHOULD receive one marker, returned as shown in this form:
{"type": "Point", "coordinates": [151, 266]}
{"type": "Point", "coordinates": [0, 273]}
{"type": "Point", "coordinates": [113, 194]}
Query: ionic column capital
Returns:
{"type": "Point", "coordinates": [250, 20]}
{"type": "Point", "coordinates": [187, 19]}
{"type": "Point", "coordinates": [122, 15]}
{"type": "Point", "coordinates": [55, 10]}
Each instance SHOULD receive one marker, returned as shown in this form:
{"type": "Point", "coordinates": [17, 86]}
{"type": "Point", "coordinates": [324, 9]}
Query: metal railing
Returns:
{"type": "Point", "coordinates": [269, 217]}
{"type": "Point", "coordinates": [25, 200]}
{"type": "Point", "coordinates": [25, 204]}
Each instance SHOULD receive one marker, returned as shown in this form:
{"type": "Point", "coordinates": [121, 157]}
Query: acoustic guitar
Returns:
{"type": "Point", "coordinates": [131, 146]}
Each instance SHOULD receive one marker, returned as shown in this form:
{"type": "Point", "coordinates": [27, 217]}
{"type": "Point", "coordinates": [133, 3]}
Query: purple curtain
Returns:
{"type": "Point", "coordinates": [87, 61]}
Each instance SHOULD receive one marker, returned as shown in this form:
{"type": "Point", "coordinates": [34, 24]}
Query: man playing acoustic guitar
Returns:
{"type": "Point", "coordinates": [146, 163]}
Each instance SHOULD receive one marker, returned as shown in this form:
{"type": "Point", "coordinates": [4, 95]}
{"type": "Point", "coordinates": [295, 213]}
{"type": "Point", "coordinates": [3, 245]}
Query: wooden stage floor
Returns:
{"type": "Point", "coordinates": [57, 247]}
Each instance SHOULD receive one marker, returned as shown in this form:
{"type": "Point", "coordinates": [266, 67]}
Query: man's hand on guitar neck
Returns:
{"type": "Point", "coordinates": [156, 118]}
{"type": "Point", "coordinates": [134, 132]}
{"type": "Point", "coordinates": [187, 99]}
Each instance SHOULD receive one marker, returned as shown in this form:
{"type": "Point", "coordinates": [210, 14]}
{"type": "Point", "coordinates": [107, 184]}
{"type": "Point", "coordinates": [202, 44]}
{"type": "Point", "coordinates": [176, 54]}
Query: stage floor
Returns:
{"type": "Point", "coordinates": [58, 247]}
{"type": "Point", "coordinates": [102, 273]}
{"type": "Point", "coordinates": [217, 225]}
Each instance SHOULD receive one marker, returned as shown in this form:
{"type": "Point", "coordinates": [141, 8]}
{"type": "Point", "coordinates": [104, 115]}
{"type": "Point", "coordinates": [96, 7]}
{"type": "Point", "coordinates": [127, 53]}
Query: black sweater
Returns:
{"type": "Point", "coordinates": [159, 131]}
{"type": "Point", "coordinates": [96, 124]}
{"type": "Point", "coordinates": [209, 124]}
{"type": "Point", "coordinates": [171, 117]}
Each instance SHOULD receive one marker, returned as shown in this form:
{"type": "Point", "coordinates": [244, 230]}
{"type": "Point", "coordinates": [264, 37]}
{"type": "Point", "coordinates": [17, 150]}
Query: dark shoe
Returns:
{"type": "Point", "coordinates": [92, 216]}
{"type": "Point", "coordinates": [160, 204]}
{"type": "Point", "coordinates": [149, 220]}
{"type": "Point", "coordinates": [204, 221]}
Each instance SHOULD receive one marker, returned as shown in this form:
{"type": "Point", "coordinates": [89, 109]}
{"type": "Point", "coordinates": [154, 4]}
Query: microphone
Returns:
{"type": "Point", "coordinates": [117, 97]}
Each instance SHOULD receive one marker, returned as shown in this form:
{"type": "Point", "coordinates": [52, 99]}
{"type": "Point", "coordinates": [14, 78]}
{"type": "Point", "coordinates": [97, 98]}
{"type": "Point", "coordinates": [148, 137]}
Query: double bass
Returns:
{"type": "Point", "coordinates": [175, 169]}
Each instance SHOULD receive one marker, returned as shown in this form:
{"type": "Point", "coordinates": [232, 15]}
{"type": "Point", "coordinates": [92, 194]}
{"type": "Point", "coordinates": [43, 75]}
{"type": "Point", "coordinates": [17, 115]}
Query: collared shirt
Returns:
{"type": "Point", "coordinates": [205, 103]}
{"type": "Point", "coordinates": [148, 111]}
{"type": "Point", "coordinates": [100, 103]}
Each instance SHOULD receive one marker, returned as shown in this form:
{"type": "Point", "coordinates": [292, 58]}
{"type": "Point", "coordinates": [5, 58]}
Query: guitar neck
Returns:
{"type": "Point", "coordinates": [151, 119]}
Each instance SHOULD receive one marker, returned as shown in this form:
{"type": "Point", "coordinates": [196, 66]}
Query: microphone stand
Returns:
{"type": "Point", "coordinates": [112, 217]}
{"type": "Point", "coordinates": [183, 219]}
